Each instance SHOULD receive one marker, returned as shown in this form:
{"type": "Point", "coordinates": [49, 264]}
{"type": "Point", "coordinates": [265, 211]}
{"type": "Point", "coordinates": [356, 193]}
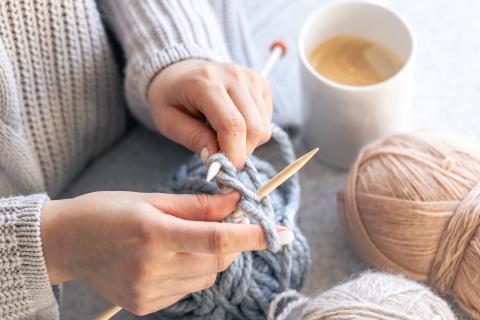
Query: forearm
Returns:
{"type": "Point", "coordinates": [54, 216]}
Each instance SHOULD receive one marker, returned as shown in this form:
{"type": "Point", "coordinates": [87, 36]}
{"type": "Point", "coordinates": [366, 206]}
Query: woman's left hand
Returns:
{"type": "Point", "coordinates": [236, 102]}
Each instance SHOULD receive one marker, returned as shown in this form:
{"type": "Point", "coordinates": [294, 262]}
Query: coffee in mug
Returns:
{"type": "Point", "coordinates": [355, 60]}
{"type": "Point", "coordinates": [356, 64]}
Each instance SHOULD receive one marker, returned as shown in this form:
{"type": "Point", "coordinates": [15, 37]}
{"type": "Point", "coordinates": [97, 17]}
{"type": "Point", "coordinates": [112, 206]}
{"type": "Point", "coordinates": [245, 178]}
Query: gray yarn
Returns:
{"type": "Point", "coordinates": [246, 289]}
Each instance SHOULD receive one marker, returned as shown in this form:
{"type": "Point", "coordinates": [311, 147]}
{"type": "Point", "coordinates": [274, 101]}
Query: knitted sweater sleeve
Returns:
{"type": "Point", "coordinates": [157, 33]}
{"type": "Point", "coordinates": [25, 292]}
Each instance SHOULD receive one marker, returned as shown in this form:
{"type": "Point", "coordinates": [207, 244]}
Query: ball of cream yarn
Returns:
{"type": "Point", "coordinates": [375, 295]}
{"type": "Point", "coordinates": [411, 204]}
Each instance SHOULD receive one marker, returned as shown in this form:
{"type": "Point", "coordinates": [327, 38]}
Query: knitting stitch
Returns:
{"type": "Point", "coordinates": [246, 288]}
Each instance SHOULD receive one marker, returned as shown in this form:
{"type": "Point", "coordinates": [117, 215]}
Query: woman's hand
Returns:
{"type": "Point", "coordinates": [142, 251]}
{"type": "Point", "coordinates": [236, 102]}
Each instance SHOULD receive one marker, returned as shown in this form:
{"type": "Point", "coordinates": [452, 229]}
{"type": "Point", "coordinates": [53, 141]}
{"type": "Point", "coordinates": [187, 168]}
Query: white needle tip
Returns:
{"type": "Point", "coordinates": [213, 169]}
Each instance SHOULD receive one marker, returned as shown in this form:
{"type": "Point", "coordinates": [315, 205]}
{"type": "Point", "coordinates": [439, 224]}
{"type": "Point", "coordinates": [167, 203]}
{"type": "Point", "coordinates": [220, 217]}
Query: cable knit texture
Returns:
{"type": "Point", "coordinates": [62, 104]}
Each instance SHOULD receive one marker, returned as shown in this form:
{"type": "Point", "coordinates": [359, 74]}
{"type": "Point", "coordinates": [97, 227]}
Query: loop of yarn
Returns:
{"type": "Point", "coordinates": [246, 288]}
{"type": "Point", "coordinates": [411, 204]}
{"type": "Point", "coordinates": [254, 207]}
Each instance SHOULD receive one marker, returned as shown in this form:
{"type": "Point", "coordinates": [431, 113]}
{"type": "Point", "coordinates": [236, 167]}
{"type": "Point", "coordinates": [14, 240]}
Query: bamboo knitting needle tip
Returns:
{"type": "Point", "coordinates": [286, 173]}
{"type": "Point", "coordinates": [280, 178]}
{"type": "Point", "coordinates": [213, 170]}
{"type": "Point", "coordinates": [277, 51]}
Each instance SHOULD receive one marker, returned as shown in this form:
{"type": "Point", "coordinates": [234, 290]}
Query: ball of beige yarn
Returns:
{"type": "Point", "coordinates": [411, 204]}
{"type": "Point", "coordinates": [376, 295]}
{"type": "Point", "coordinates": [373, 295]}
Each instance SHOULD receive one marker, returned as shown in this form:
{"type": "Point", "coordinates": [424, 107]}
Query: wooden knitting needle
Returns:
{"type": "Point", "coordinates": [108, 313]}
{"type": "Point", "coordinates": [263, 191]}
{"type": "Point", "coordinates": [277, 51]}
{"type": "Point", "coordinates": [279, 178]}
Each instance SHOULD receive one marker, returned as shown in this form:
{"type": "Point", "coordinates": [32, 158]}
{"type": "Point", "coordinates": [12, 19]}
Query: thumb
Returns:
{"type": "Point", "coordinates": [197, 207]}
{"type": "Point", "coordinates": [188, 131]}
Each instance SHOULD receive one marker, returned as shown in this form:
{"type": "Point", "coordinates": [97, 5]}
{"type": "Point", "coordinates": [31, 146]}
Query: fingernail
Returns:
{"type": "Point", "coordinates": [241, 220]}
{"type": "Point", "coordinates": [286, 237]}
{"type": "Point", "coordinates": [245, 220]}
{"type": "Point", "coordinates": [204, 155]}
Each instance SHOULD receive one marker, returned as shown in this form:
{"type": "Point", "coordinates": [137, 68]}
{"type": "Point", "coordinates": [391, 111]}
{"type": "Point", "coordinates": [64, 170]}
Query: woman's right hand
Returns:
{"type": "Point", "coordinates": [144, 251]}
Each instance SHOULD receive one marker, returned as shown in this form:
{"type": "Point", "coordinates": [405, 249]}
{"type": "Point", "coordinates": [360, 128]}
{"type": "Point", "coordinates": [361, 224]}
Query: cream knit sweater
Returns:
{"type": "Point", "coordinates": [62, 103]}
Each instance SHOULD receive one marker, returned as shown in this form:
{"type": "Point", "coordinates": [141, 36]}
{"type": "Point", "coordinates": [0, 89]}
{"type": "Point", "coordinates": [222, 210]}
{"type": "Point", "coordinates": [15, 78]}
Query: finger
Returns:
{"type": "Point", "coordinates": [267, 98]}
{"type": "Point", "coordinates": [263, 100]}
{"type": "Point", "coordinates": [222, 114]}
{"type": "Point", "coordinates": [200, 264]}
{"type": "Point", "coordinates": [261, 105]}
{"type": "Point", "coordinates": [250, 111]}
{"type": "Point", "coordinates": [194, 134]}
{"type": "Point", "coordinates": [198, 207]}
{"type": "Point", "coordinates": [220, 238]}
{"type": "Point", "coordinates": [265, 110]}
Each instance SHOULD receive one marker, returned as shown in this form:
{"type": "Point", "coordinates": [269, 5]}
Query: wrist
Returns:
{"type": "Point", "coordinates": [52, 233]}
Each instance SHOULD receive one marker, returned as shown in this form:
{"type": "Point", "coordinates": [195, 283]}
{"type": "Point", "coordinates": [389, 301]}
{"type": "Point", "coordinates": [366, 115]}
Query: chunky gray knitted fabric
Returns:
{"type": "Point", "coordinates": [246, 288]}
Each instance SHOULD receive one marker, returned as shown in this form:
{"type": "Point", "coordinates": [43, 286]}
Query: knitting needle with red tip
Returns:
{"type": "Point", "coordinates": [277, 51]}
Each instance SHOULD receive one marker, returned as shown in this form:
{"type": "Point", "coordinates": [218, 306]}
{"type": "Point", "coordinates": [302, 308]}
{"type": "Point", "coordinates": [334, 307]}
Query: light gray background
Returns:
{"type": "Point", "coordinates": [446, 95]}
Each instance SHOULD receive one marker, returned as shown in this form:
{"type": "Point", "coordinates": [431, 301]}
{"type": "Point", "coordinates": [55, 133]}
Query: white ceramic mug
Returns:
{"type": "Point", "coordinates": [342, 118]}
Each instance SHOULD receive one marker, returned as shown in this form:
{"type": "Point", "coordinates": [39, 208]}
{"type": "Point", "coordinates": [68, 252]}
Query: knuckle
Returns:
{"type": "Point", "coordinates": [209, 281]}
{"type": "Point", "coordinates": [252, 74]}
{"type": "Point", "coordinates": [234, 70]}
{"type": "Point", "coordinates": [235, 125]}
{"type": "Point", "coordinates": [219, 241]}
{"type": "Point", "coordinates": [206, 89]}
{"type": "Point", "coordinates": [222, 263]}
{"type": "Point", "coordinates": [204, 201]}
{"type": "Point", "coordinates": [196, 83]}
{"type": "Point", "coordinates": [256, 132]}
{"type": "Point", "coordinates": [205, 71]}
{"type": "Point", "coordinates": [265, 135]}
{"type": "Point", "coordinates": [259, 134]}
{"type": "Point", "coordinates": [145, 233]}
{"type": "Point", "coordinates": [265, 83]}
{"type": "Point", "coordinates": [203, 87]}
{"type": "Point", "coordinates": [193, 138]}
{"type": "Point", "coordinates": [197, 86]}
{"type": "Point", "coordinates": [215, 88]}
